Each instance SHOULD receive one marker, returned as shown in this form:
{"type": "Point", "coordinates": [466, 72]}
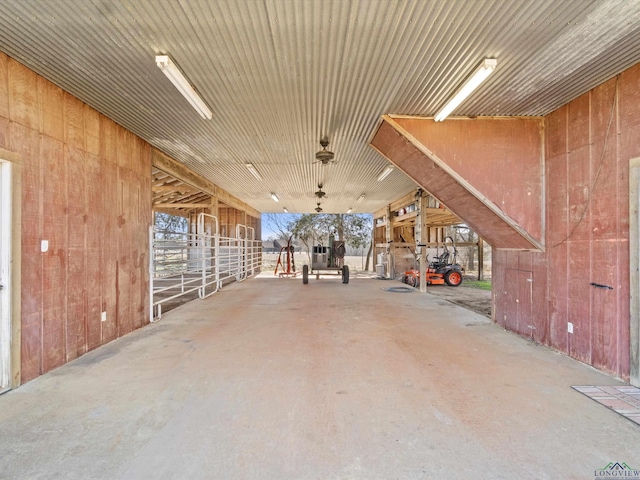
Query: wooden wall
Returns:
{"type": "Point", "coordinates": [86, 190]}
{"type": "Point", "coordinates": [589, 143]}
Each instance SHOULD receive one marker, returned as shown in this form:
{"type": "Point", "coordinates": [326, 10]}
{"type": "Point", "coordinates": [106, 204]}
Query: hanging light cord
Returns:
{"type": "Point", "coordinates": [597, 175]}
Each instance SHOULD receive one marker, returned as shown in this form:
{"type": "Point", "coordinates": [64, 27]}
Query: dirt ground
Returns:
{"type": "Point", "coordinates": [471, 298]}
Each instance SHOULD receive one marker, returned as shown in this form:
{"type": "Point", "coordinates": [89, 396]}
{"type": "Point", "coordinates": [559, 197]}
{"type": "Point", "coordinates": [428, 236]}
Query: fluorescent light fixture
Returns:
{"type": "Point", "coordinates": [360, 198]}
{"type": "Point", "coordinates": [173, 73]}
{"type": "Point", "coordinates": [481, 73]}
{"type": "Point", "coordinates": [285, 210]}
{"type": "Point", "coordinates": [385, 173]}
{"type": "Point", "coordinates": [350, 210]}
{"type": "Point", "coordinates": [253, 170]}
{"type": "Point", "coordinates": [275, 197]}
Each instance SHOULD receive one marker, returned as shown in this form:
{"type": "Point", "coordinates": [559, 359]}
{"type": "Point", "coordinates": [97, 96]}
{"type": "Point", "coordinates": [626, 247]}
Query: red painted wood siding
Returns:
{"type": "Point", "coordinates": [589, 143]}
{"type": "Point", "coordinates": [86, 189]}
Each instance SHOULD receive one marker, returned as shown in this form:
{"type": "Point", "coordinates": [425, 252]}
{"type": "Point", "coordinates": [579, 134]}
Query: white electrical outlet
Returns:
{"type": "Point", "coordinates": [103, 317]}
{"type": "Point", "coordinates": [44, 246]}
{"type": "Point", "coordinates": [569, 327]}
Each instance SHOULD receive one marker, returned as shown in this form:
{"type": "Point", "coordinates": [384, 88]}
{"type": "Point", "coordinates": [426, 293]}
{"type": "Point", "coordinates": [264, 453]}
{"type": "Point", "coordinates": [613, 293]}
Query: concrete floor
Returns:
{"type": "Point", "coordinates": [272, 379]}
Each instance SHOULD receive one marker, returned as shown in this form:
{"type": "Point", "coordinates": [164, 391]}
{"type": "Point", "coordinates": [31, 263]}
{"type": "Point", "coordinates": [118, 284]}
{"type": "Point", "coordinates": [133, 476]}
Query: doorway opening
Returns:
{"type": "Point", "coordinates": [5, 275]}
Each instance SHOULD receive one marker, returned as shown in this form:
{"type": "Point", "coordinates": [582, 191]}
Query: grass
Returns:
{"type": "Point", "coordinates": [481, 284]}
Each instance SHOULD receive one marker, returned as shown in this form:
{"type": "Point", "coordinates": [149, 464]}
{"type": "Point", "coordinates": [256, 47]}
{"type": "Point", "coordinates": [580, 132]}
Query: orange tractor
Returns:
{"type": "Point", "coordinates": [443, 269]}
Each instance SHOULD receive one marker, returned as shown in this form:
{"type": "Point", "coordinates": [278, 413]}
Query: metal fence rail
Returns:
{"type": "Point", "coordinates": [185, 263]}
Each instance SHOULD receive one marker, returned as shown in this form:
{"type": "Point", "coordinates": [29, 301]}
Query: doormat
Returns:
{"type": "Point", "coordinates": [622, 399]}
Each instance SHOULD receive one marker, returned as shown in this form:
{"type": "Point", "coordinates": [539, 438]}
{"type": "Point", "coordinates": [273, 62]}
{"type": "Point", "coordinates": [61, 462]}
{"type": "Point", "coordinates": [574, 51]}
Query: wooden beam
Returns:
{"type": "Point", "coordinates": [182, 205]}
{"type": "Point", "coordinates": [182, 188]}
{"type": "Point", "coordinates": [181, 172]}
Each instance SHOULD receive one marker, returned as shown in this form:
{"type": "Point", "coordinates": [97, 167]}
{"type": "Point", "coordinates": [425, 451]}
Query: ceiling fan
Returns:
{"type": "Point", "coordinates": [324, 156]}
{"type": "Point", "coordinates": [318, 208]}
{"type": "Point", "coordinates": [320, 194]}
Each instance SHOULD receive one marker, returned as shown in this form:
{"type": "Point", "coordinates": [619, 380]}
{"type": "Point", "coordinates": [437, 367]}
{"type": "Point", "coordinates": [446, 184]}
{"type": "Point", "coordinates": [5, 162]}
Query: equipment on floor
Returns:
{"type": "Point", "coordinates": [290, 271]}
{"type": "Point", "coordinates": [327, 260]}
{"type": "Point", "coordinates": [443, 269]}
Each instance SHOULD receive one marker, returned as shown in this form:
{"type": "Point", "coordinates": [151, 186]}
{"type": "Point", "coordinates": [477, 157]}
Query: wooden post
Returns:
{"type": "Point", "coordinates": [480, 258]}
{"type": "Point", "coordinates": [421, 238]}
{"type": "Point", "coordinates": [389, 238]}
{"type": "Point", "coordinates": [634, 273]}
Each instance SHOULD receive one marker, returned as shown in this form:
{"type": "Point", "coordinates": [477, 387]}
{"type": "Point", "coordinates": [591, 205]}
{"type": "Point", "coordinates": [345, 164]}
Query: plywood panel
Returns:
{"type": "Point", "coordinates": [23, 95]}
{"type": "Point", "coordinates": [93, 214]}
{"type": "Point", "coordinates": [558, 297]}
{"type": "Point", "coordinates": [557, 201]}
{"type": "Point", "coordinates": [76, 270]}
{"type": "Point", "coordinates": [556, 132]}
{"type": "Point", "coordinates": [540, 309]}
{"type": "Point", "coordinates": [579, 181]}
{"type": "Point", "coordinates": [498, 230]}
{"type": "Point", "coordinates": [510, 300]}
{"type": "Point", "coordinates": [108, 140]}
{"type": "Point", "coordinates": [142, 234]}
{"type": "Point", "coordinates": [629, 144]}
{"type": "Point", "coordinates": [92, 130]}
{"type": "Point", "coordinates": [54, 275]}
{"type": "Point", "coordinates": [4, 86]}
{"type": "Point", "coordinates": [125, 152]}
{"type": "Point", "coordinates": [579, 254]}
{"type": "Point", "coordinates": [604, 306]}
{"type": "Point", "coordinates": [524, 302]}
{"type": "Point", "coordinates": [52, 109]}
{"type": "Point", "coordinates": [73, 121]}
{"type": "Point", "coordinates": [95, 230]}
{"type": "Point", "coordinates": [630, 98]}
{"type": "Point", "coordinates": [578, 113]}
{"type": "Point", "coordinates": [589, 245]}
{"type": "Point", "coordinates": [109, 253]}
{"type": "Point", "coordinates": [484, 152]}
{"type": "Point", "coordinates": [26, 143]}
{"type": "Point", "coordinates": [603, 113]}
{"type": "Point", "coordinates": [4, 133]}
{"type": "Point", "coordinates": [137, 252]}
{"type": "Point", "coordinates": [124, 262]}
{"type": "Point", "coordinates": [623, 309]}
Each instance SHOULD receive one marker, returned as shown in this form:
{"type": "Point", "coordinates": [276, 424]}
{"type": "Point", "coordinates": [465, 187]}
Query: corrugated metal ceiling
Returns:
{"type": "Point", "coordinates": [280, 74]}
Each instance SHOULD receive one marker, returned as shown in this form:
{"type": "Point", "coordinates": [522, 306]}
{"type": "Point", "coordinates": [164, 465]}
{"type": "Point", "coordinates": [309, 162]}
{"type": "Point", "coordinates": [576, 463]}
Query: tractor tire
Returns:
{"type": "Point", "coordinates": [453, 278]}
{"type": "Point", "coordinates": [305, 274]}
{"type": "Point", "coordinates": [345, 274]}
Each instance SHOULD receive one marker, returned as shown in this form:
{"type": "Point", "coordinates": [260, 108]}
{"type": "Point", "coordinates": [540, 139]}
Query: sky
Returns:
{"type": "Point", "coordinates": [269, 230]}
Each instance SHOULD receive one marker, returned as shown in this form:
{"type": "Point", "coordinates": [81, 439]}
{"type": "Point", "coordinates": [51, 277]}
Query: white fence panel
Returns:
{"type": "Point", "coordinates": [184, 263]}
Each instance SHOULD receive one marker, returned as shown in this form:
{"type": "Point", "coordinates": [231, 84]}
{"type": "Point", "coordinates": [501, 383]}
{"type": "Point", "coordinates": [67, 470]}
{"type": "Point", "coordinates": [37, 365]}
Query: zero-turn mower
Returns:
{"type": "Point", "coordinates": [443, 269]}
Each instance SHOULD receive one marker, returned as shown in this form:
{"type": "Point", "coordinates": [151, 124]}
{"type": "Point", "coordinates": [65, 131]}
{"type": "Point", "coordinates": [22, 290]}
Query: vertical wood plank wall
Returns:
{"type": "Point", "coordinates": [86, 190]}
{"type": "Point", "coordinates": [589, 143]}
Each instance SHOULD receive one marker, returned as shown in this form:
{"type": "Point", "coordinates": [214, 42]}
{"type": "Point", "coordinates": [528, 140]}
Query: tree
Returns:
{"type": "Point", "coordinates": [281, 225]}
{"type": "Point", "coordinates": [171, 223]}
{"type": "Point", "coordinates": [305, 229]}
{"type": "Point", "coordinates": [353, 229]}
